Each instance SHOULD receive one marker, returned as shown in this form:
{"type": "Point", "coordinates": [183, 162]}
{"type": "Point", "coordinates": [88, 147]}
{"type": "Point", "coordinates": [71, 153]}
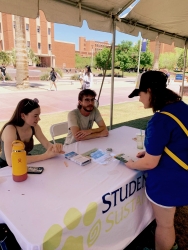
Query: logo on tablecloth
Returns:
{"type": "Point", "coordinates": [82, 230]}
{"type": "Point", "coordinates": [72, 219]}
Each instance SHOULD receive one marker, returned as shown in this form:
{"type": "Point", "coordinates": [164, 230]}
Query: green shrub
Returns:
{"type": "Point", "coordinates": [59, 71]}
{"type": "Point", "coordinates": [7, 78]}
{"type": "Point", "coordinates": [44, 77]}
{"type": "Point", "coordinates": [75, 77]}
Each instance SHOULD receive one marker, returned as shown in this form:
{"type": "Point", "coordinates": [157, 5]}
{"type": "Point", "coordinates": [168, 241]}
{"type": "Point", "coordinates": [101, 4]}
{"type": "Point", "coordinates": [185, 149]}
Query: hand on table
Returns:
{"type": "Point", "coordinates": [54, 150]}
{"type": "Point", "coordinates": [82, 133]}
{"type": "Point", "coordinates": [58, 148]}
{"type": "Point", "coordinates": [129, 164]}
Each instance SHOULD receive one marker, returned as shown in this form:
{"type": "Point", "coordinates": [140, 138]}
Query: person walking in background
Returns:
{"type": "Point", "coordinates": [3, 72]}
{"type": "Point", "coordinates": [88, 78]}
{"type": "Point", "coordinates": [168, 74]}
{"type": "Point", "coordinates": [52, 78]}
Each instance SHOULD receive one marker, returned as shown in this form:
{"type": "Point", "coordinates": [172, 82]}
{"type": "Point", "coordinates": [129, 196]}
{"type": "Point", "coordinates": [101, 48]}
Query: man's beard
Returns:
{"type": "Point", "coordinates": [90, 110]}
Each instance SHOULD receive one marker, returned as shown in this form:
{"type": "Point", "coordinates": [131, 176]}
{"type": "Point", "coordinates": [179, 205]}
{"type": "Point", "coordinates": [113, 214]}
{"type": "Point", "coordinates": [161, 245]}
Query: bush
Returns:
{"type": "Point", "coordinates": [59, 71]}
{"type": "Point", "coordinates": [44, 77]}
{"type": "Point", "coordinates": [7, 78]}
{"type": "Point", "coordinates": [75, 77]}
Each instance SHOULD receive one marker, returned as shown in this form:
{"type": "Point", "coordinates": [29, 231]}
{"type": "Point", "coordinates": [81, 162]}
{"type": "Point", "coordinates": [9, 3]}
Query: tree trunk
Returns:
{"type": "Point", "coordinates": [22, 74]}
{"type": "Point", "coordinates": [156, 54]}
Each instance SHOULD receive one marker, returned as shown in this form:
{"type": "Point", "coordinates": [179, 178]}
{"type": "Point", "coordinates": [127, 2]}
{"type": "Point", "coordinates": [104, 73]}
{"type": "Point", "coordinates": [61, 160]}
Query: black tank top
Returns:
{"type": "Point", "coordinates": [28, 145]}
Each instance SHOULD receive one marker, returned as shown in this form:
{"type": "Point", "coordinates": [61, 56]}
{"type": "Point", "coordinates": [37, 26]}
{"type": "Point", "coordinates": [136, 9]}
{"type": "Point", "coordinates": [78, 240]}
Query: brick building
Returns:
{"type": "Point", "coordinates": [40, 38]}
{"type": "Point", "coordinates": [163, 49]}
{"type": "Point", "coordinates": [87, 48]}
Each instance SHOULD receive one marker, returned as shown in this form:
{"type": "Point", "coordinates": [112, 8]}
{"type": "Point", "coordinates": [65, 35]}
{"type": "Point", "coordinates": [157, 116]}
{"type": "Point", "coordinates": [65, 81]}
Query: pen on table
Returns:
{"type": "Point", "coordinates": [66, 164]}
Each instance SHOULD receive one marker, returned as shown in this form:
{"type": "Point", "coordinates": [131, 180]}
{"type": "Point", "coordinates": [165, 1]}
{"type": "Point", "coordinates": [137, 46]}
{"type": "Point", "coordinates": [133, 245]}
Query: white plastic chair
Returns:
{"type": "Point", "coordinates": [58, 129]}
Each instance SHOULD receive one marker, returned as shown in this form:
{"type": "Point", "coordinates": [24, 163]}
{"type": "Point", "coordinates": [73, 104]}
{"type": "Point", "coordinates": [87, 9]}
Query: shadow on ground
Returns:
{"type": "Point", "coordinates": [146, 238]}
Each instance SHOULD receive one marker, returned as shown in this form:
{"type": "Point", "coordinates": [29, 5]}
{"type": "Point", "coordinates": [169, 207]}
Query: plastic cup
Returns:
{"type": "Point", "coordinates": [140, 140]}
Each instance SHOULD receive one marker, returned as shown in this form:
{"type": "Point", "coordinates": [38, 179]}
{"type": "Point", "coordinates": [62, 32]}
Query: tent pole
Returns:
{"type": "Point", "coordinates": [112, 74]}
{"type": "Point", "coordinates": [184, 67]}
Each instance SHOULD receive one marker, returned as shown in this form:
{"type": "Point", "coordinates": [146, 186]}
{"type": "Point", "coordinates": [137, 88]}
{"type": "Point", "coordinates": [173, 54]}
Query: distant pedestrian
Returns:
{"type": "Point", "coordinates": [3, 71]}
{"type": "Point", "coordinates": [168, 74]}
{"type": "Point", "coordinates": [88, 78]}
{"type": "Point", "coordinates": [52, 78]}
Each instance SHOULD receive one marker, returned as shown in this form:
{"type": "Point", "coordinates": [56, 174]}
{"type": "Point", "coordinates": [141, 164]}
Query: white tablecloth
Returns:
{"type": "Point", "coordinates": [93, 207]}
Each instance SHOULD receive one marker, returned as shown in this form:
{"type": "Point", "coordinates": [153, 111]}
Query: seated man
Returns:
{"type": "Point", "coordinates": [80, 120]}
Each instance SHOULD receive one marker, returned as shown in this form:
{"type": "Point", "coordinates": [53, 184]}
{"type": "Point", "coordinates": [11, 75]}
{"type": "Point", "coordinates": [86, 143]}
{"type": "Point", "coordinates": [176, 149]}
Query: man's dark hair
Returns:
{"type": "Point", "coordinates": [160, 98]}
{"type": "Point", "coordinates": [85, 92]}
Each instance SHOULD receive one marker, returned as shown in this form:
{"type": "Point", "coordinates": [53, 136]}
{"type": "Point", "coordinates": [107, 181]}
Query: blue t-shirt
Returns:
{"type": "Point", "coordinates": [167, 184]}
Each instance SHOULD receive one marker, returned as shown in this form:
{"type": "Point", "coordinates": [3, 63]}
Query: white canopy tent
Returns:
{"type": "Point", "coordinates": [99, 14]}
{"type": "Point", "coordinates": [165, 19]}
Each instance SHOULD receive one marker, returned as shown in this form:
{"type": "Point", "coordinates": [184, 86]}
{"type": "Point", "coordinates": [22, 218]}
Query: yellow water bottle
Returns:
{"type": "Point", "coordinates": [19, 162]}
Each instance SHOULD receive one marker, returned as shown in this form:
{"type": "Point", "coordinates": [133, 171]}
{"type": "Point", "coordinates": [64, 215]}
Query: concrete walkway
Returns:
{"type": "Point", "coordinates": [66, 97]}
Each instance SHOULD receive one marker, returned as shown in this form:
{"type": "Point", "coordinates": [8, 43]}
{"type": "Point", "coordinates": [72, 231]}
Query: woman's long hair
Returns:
{"type": "Point", "coordinates": [88, 70]}
{"type": "Point", "coordinates": [160, 98]}
{"type": "Point", "coordinates": [24, 106]}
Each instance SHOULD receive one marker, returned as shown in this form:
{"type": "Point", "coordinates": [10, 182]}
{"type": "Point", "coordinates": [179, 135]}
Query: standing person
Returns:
{"type": "Point", "coordinates": [23, 126]}
{"type": "Point", "coordinates": [52, 78]}
{"type": "Point", "coordinates": [166, 154]}
{"type": "Point", "coordinates": [168, 74]}
{"type": "Point", "coordinates": [80, 120]}
{"type": "Point", "coordinates": [3, 72]}
{"type": "Point", "coordinates": [88, 78]}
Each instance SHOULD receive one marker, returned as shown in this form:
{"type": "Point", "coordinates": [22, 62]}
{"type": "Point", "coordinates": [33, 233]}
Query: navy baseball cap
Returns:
{"type": "Point", "coordinates": [150, 79]}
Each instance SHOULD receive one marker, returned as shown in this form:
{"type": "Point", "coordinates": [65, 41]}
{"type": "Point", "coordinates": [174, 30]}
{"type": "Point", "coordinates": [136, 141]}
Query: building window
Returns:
{"type": "Point", "coordinates": [49, 46]}
{"type": "Point", "coordinates": [28, 44]}
{"type": "Point", "coordinates": [39, 47]}
{"type": "Point", "coordinates": [14, 24]}
{"type": "Point", "coordinates": [38, 29]}
{"type": "Point", "coordinates": [49, 31]}
{"type": "Point", "coordinates": [27, 26]}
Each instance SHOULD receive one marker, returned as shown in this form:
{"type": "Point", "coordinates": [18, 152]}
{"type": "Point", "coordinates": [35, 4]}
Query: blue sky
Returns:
{"type": "Point", "coordinates": [71, 34]}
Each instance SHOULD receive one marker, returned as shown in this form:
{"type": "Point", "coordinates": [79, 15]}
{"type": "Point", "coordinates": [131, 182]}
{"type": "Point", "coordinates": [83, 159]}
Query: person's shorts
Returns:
{"type": "Point", "coordinates": [2, 74]}
{"type": "Point", "coordinates": [86, 85]}
{"type": "Point", "coordinates": [155, 202]}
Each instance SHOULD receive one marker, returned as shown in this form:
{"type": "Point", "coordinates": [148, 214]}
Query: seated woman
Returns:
{"type": "Point", "coordinates": [23, 126]}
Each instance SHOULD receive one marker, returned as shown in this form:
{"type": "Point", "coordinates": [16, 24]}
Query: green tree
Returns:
{"type": "Point", "coordinates": [167, 60]}
{"type": "Point", "coordinates": [13, 57]}
{"type": "Point", "coordinates": [172, 60]}
{"type": "Point", "coordinates": [4, 58]}
{"type": "Point", "coordinates": [146, 59]}
{"type": "Point", "coordinates": [101, 59]}
{"type": "Point", "coordinates": [180, 61]}
{"type": "Point", "coordinates": [125, 55]}
{"type": "Point", "coordinates": [31, 56]}
{"type": "Point", "coordinates": [81, 62]}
